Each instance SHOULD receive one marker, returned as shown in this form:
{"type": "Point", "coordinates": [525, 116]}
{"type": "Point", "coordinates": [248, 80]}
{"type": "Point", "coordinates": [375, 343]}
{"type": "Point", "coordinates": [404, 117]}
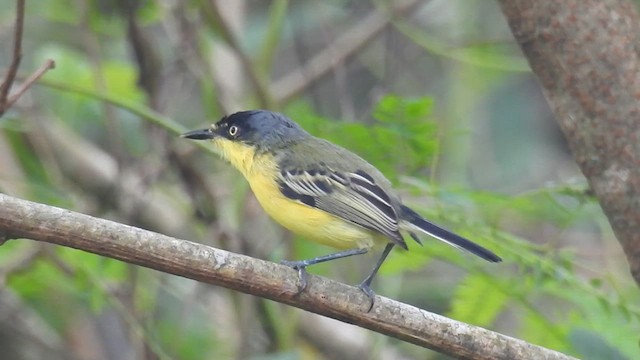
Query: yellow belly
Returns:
{"type": "Point", "coordinates": [306, 221]}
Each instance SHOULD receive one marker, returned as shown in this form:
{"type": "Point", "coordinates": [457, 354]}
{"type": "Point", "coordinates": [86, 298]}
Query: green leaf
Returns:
{"type": "Point", "coordinates": [401, 140]}
{"type": "Point", "coordinates": [477, 300]}
{"type": "Point", "coordinates": [537, 329]}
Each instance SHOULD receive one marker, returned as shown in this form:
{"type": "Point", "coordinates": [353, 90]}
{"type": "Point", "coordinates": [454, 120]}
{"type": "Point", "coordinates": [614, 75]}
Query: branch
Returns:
{"type": "Point", "coordinates": [25, 219]}
{"type": "Point", "coordinates": [15, 60]}
{"type": "Point", "coordinates": [585, 54]}
{"type": "Point", "coordinates": [48, 65]}
{"type": "Point", "coordinates": [7, 101]}
{"type": "Point", "coordinates": [344, 47]}
{"type": "Point", "coordinates": [211, 12]}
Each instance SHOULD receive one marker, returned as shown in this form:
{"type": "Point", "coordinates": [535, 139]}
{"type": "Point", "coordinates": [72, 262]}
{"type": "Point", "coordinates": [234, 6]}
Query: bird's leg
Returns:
{"type": "Point", "coordinates": [365, 285]}
{"type": "Point", "coordinates": [301, 265]}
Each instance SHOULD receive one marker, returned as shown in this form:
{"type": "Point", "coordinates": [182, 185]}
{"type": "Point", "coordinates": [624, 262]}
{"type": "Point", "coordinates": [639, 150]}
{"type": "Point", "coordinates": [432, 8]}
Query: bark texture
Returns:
{"type": "Point", "coordinates": [25, 219]}
{"type": "Point", "coordinates": [586, 55]}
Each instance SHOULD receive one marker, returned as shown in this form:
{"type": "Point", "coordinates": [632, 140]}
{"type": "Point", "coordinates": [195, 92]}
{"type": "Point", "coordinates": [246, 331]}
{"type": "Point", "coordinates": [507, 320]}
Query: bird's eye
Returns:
{"type": "Point", "coordinates": [233, 130]}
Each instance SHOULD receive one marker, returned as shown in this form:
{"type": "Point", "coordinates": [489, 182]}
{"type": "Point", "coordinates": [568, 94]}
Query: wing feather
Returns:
{"type": "Point", "coordinates": [353, 196]}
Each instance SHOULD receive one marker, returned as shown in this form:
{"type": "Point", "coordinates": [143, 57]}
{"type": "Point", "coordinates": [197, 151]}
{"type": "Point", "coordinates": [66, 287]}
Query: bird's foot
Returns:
{"type": "Point", "coordinates": [301, 266]}
{"type": "Point", "coordinates": [366, 289]}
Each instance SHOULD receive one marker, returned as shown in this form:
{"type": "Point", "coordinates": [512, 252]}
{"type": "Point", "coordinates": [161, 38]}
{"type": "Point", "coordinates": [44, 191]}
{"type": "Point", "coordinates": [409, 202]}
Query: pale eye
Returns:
{"type": "Point", "coordinates": [233, 130]}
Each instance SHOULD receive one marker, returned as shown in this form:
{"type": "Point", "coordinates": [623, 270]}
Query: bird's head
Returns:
{"type": "Point", "coordinates": [264, 130]}
{"type": "Point", "coordinates": [238, 137]}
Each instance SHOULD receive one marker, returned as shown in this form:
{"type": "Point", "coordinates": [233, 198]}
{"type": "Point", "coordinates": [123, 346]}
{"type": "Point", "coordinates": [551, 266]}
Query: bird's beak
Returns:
{"type": "Point", "coordinates": [202, 134]}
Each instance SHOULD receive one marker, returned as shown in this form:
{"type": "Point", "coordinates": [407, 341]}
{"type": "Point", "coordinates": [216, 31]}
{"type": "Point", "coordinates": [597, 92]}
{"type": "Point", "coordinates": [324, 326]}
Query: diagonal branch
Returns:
{"type": "Point", "coordinates": [345, 46]}
{"type": "Point", "coordinates": [48, 65]}
{"type": "Point", "coordinates": [15, 60]}
{"type": "Point", "coordinates": [212, 14]}
{"type": "Point", "coordinates": [25, 219]}
{"type": "Point", "coordinates": [7, 101]}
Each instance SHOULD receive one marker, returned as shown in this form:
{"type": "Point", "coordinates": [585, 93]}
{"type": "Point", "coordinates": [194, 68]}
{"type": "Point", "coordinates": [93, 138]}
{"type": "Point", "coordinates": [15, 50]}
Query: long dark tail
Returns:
{"type": "Point", "coordinates": [420, 224]}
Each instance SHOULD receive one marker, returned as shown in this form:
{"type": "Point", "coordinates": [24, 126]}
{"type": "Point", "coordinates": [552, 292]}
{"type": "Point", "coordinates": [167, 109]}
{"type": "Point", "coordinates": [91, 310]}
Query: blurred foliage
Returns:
{"type": "Point", "coordinates": [436, 101]}
{"type": "Point", "coordinates": [401, 130]}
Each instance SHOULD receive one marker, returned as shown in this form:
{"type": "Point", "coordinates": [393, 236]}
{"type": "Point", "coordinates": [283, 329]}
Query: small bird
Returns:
{"type": "Point", "coordinates": [321, 191]}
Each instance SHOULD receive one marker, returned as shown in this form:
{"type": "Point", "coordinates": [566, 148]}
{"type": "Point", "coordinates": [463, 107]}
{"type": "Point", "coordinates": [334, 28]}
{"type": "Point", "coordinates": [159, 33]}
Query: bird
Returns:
{"type": "Point", "coordinates": [321, 191]}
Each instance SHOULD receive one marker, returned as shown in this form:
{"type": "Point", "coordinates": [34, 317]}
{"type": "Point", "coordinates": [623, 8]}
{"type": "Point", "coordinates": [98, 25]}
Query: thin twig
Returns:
{"type": "Point", "coordinates": [48, 65]}
{"type": "Point", "coordinates": [213, 15]}
{"type": "Point", "coordinates": [7, 101]}
{"type": "Point", "coordinates": [345, 46]}
{"type": "Point", "coordinates": [15, 61]}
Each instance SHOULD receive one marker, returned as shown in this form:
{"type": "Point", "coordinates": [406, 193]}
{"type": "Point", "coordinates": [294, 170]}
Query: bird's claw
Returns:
{"type": "Point", "coordinates": [366, 289]}
{"type": "Point", "coordinates": [301, 266]}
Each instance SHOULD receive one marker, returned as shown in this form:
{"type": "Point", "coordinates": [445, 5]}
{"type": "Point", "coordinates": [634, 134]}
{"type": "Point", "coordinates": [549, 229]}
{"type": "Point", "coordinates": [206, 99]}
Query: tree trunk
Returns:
{"type": "Point", "coordinates": [585, 53]}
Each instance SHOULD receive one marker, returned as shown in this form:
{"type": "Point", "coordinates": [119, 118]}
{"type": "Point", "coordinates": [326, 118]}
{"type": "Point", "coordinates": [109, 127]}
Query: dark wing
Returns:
{"type": "Point", "coordinates": [353, 196]}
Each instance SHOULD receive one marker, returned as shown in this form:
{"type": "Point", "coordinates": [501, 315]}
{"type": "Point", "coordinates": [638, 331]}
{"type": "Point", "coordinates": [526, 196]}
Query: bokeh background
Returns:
{"type": "Point", "coordinates": [435, 93]}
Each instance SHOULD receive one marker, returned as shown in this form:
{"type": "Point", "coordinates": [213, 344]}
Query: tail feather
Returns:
{"type": "Point", "coordinates": [418, 223]}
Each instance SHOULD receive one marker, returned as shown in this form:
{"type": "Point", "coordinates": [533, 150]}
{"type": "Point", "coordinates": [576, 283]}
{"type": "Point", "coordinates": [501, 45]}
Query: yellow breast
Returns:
{"type": "Point", "coordinates": [309, 222]}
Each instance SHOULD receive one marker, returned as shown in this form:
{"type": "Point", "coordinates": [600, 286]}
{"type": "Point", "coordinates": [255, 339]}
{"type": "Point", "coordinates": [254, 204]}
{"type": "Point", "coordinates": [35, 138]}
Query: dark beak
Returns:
{"type": "Point", "coordinates": [202, 134]}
